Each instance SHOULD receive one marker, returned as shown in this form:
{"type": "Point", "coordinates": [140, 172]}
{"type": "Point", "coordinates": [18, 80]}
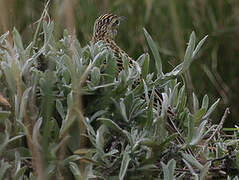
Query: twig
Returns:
{"type": "Point", "coordinates": [219, 159]}
{"type": "Point", "coordinates": [222, 158]}
{"type": "Point", "coordinates": [219, 127]}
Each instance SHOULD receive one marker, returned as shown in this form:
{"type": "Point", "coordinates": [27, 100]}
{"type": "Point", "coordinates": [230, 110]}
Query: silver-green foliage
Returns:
{"type": "Point", "coordinates": [126, 134]}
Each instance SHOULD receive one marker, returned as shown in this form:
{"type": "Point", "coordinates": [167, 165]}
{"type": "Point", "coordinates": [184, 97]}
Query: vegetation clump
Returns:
{"type": "Point", "coordinates": [66, 113]}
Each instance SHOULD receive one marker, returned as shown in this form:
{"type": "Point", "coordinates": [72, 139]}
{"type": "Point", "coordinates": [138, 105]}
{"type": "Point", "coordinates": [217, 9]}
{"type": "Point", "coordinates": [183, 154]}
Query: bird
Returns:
{"type": "Point", "coordinates": [105, 29]}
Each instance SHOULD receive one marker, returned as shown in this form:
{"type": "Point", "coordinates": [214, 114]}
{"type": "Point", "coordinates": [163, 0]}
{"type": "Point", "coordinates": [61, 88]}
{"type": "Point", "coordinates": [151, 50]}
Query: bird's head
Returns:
{"type": "Point", "coordinates": [106, 26]}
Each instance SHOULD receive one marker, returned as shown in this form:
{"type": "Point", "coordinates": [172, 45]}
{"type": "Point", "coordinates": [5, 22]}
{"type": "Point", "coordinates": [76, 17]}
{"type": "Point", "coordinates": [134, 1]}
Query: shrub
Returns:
{"type": "Point", "coordinates": [67, 114]}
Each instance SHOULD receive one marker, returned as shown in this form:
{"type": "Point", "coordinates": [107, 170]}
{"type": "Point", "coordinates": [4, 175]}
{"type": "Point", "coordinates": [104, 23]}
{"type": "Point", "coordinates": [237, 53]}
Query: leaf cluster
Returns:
{"type": "Point", "coordinates": [77, 118]}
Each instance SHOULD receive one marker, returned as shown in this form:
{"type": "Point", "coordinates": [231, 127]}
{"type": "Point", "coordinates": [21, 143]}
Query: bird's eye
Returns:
{"type": "Point", "coordinates": [117, 22]}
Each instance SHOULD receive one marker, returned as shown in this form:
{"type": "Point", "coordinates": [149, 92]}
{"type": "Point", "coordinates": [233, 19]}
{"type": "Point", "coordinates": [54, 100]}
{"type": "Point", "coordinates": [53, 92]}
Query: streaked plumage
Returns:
{"type": "Point", "coordinates": [105, 28]}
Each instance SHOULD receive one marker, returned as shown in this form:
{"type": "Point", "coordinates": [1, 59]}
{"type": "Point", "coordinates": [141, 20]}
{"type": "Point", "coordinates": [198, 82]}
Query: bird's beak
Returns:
{"type": "Point", "coordinates": [122, 18]}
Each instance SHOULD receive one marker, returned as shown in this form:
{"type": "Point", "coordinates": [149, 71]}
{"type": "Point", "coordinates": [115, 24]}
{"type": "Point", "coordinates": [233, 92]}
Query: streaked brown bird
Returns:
{"type": "Point", "coordinates": [105, 29]}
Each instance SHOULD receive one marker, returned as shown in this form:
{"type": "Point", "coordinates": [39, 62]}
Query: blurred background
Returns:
{"type": "Point", "coordinates": [215, 71]}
